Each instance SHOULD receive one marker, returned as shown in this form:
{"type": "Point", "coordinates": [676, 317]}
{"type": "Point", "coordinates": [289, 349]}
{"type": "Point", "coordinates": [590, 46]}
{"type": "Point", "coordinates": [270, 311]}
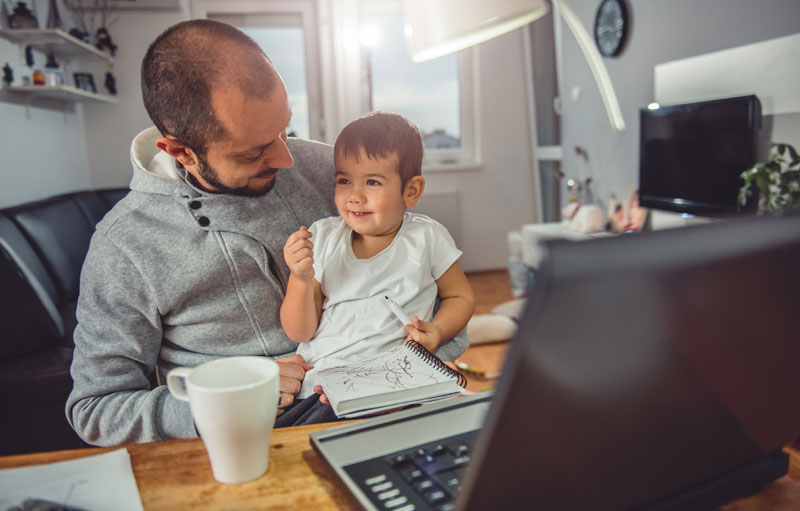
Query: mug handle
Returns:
{"type": "Point", "coordinates": [174, 386]}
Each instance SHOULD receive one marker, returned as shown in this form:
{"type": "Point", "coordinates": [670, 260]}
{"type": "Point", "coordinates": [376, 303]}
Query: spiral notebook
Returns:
{"type": "Point", "coordinates": [406, 374]}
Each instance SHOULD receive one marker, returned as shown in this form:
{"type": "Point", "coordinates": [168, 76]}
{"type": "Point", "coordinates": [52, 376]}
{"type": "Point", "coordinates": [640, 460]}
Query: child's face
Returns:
{"type": "Point", "coordinates": [369, 195]}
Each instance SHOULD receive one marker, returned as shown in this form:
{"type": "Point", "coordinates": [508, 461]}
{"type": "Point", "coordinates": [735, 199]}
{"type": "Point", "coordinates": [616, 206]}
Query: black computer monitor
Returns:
{"type": "Point", "coordinates": [649, 371]}
{"type": "Point", "coordinates": [691, 155]}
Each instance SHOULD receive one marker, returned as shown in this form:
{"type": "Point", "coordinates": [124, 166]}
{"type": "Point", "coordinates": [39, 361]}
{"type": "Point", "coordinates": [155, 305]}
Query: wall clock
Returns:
{"type": "Point", "coordinates": [611, 27]}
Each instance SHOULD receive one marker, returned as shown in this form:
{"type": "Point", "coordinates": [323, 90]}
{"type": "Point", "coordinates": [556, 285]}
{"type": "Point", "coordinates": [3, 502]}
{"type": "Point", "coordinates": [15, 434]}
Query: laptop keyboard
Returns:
{"type": "Point", "coordinates": [424, 477]}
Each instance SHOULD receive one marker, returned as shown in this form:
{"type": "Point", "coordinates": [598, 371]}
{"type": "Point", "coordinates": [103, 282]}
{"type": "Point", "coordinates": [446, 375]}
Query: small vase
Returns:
{"type": "Point", "coordinates": [22, 17]}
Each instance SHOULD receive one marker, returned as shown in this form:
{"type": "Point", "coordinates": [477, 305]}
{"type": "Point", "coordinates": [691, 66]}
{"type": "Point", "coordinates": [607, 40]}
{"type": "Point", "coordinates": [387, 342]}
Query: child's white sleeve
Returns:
{"type": "Point", "coordinates": [442, 249]}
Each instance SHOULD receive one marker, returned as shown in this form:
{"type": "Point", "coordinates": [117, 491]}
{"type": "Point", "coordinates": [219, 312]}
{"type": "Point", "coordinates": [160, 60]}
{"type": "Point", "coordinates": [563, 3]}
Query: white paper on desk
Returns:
{"type": "Point", "coordinates": [96, 483]}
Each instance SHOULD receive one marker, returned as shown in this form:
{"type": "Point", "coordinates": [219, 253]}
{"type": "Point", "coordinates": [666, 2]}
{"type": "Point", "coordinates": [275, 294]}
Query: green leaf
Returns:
{"type": "Point", "coordinates": [762, 182]}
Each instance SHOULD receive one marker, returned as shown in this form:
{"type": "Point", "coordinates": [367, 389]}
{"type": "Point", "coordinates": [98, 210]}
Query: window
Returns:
{"type": "Point", "coordinates": [285, 48]}
{"type": "Point", "coordinates": [288, 34]}
{"type": "Point", "coordinates": [426, 93]}
{"type": "Point", "coordinates": [433, 94]}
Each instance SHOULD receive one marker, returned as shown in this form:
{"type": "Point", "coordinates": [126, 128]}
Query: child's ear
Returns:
{"type": "Point", "coordinates": [177, 150]}
{"type": "Point", "coordinates": [413, 191]}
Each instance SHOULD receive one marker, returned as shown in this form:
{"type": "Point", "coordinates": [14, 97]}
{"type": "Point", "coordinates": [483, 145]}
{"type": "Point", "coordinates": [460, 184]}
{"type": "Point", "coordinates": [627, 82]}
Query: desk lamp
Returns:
{"type": "Point", "coordinates": [438, 27]}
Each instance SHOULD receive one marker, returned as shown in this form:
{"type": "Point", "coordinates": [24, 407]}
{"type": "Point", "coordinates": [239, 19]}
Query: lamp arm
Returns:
{"type": "Point", "coordinates": [595, 62]}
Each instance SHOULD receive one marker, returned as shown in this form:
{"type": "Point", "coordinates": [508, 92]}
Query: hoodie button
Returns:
{"type": "Point", "coordinates": [203, 221]}
{"type": "Point", "coordinates": [195, 204]}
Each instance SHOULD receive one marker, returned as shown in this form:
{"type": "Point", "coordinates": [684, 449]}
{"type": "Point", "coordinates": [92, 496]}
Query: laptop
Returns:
{"type": "Point", "coordinates": [649, 371]}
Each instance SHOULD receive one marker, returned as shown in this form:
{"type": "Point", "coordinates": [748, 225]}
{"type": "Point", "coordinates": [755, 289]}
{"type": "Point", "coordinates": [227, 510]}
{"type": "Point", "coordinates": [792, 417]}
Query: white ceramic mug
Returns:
{"type": "Point", "coordinates": [234, 402]}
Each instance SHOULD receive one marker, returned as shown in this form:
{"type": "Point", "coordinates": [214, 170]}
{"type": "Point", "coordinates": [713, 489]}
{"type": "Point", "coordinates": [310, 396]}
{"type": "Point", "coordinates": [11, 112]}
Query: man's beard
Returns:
{"type": "Point", "coordinates": [211, 177]}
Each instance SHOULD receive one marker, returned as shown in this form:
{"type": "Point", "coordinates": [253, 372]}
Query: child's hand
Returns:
{"type": "Point", "coordinates": [425, 333]}
{"type": "Point", "coordinates": [299, 254]}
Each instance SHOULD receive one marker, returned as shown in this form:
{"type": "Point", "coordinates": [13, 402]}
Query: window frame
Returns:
{"type": "Point", "coordinates": [465, 157]}
{"type": "Point", "coordinates": [283, 11]}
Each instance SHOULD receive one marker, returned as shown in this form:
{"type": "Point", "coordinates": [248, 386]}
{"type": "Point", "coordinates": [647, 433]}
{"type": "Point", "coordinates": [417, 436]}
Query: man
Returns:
{"type": "Point", "coordinates": [188, 266]}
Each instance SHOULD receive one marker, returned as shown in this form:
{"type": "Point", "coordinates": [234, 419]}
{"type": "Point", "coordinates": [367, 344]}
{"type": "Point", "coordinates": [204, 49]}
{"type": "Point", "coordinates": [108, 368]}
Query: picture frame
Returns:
{"type": "Point", "coordinates": [85, 81]}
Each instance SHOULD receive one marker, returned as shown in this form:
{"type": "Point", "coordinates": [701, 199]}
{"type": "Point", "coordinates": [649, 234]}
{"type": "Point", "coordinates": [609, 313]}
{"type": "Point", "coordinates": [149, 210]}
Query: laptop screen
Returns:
{"type": "Point", "coordinates": [643, 365]}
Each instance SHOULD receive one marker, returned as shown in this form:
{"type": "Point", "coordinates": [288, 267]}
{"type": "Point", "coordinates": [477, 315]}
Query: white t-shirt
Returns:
{"type": "Point", "coordinates": [356, 321]}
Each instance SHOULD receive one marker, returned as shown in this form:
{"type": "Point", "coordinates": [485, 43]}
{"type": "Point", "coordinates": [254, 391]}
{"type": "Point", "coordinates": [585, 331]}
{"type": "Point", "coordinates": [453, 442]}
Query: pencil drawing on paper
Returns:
{"type": "Point", "coordinates": [395, 373]}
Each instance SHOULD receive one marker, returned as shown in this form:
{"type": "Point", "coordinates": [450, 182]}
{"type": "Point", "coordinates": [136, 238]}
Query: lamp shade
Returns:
{"type": "Point", "coordinates": [438, 27]}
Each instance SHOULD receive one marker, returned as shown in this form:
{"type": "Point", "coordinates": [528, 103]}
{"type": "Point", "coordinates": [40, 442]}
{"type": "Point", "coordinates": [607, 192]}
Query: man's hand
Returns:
{"type": "Point", "coordinates": [299, 254]}
{"type": "Point", "coordinates": [293, 371]}
{"type": "Point", "coordinates": [425, 333]}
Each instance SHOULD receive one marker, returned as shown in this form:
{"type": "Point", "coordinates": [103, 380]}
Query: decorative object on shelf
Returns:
{"type": "Point", "coordinates": [578, 190]}
{"type": "Point", "coordinates": [8, 74]}
{"type": "Point", "coordinates": [54, 17]}
{"type": "Point", "coordinates": [111, 84]}
{"type": "Point", "coordinates": [38, 77]}
{"type": "Point", "coordinates": [583, 218]}
{"type": "Point", "coordinates": [22, 17]}
{"type": "Point", "coordinates": [92, 16]}
{"type": "Point", "coordinates": [777, 180]}
{"type": "Point", "coordinates": [629, 217]}
{"type": "Point", "coordinates": [51, 61]}
{"type": "Point", "coordinates": [84, 81]}
{"type": "Point", "coordinates": [611, 27]}
{"type": "Point", "coordinates": [104, 42]}
{"type": "Point", "coordinates": [53, 75]}
{"type": "Point", "coordinates": [29, 56]}
{"type": "Point", "coordinates": [79, 34]}
{"type": "Point", "coordinates": [111, 80]}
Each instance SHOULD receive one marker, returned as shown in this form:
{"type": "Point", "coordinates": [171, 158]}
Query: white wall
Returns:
{"type": "Point", "coordinates": [110, 129]}
{"type": "Point", "coordinates": [499, 196]}
{"type": "Point", "coordinates": [41, 156]}
{"type": "Point", "coordinates": [43, 153]}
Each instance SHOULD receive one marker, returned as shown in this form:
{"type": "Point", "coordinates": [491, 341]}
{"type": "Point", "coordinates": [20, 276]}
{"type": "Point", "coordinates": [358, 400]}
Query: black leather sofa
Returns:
{"type": "Point", "coordinates": [42, 248]}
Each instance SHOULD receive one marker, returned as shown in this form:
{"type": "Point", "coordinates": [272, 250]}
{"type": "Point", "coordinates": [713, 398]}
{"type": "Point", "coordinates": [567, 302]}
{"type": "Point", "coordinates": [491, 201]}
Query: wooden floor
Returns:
{"type": "Point", "coordinates": [491, 288]}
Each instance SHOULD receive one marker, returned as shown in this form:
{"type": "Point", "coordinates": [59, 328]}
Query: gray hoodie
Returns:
{"type": "Point", "coordinates": [176, 276]}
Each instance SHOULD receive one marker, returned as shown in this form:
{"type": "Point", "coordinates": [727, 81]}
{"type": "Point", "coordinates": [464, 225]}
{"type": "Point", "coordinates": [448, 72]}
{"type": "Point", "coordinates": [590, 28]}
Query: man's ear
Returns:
{"type": "Point", "coordinates": [413, 191]}
{"type": "Point", "coordinates": [177, 150]}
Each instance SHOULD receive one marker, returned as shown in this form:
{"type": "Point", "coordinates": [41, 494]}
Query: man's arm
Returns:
{"type": "Point", "coordinates": [117, 343]}
{"type": "Point", "coordinates": [455, 309]}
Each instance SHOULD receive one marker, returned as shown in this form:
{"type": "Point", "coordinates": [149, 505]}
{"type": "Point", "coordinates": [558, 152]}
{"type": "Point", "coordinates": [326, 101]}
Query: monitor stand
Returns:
{"type": "Point", "coordinates": [735, 484]}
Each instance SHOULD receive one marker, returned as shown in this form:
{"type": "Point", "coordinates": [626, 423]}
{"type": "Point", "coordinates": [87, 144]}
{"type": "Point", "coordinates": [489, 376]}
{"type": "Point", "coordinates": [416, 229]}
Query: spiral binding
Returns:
{"type": "Point", "coordinates": [436, 362]}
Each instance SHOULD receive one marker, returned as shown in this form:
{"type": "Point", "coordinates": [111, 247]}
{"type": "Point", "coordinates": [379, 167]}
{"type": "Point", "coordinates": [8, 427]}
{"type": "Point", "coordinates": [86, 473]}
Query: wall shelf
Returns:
{"type": "Point", "coordinates": [66, 92]}
{"type": "Point", "coordinates": [52, 40]}
{"type": "Point", "coordinates": [62, 45]}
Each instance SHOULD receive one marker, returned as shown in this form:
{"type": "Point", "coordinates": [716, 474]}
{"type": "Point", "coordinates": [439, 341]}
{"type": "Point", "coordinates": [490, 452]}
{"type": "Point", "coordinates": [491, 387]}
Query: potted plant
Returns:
{"type": "Point", "coordinates": [777, 180]}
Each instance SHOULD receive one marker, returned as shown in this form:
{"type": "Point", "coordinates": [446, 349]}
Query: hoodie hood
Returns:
{"type": "Point", "coordinates": [149, 158]}
{"type": "Point", "coordinates": [154, 171]}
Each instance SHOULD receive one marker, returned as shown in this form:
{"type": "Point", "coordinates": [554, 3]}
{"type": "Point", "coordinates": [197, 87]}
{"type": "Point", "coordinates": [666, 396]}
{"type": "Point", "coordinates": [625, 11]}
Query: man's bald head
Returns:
{"type": "Point", "coordinates": [186, 64]}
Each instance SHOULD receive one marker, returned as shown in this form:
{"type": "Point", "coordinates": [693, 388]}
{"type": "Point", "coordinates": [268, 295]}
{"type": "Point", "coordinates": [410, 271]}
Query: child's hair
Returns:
{"type": "Point", "coordinates": [382, 134]}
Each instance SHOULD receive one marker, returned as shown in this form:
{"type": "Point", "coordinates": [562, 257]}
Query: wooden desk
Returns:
{"type": "Point", "coordinates": [177, 475]}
